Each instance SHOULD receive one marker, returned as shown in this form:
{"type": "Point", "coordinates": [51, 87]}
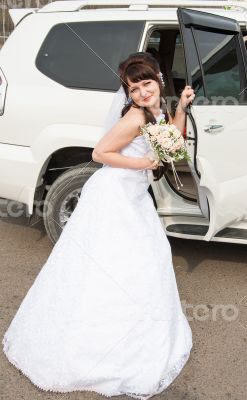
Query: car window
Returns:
{"type": "Point", "coordinates": [219, 76]}
{"type": "Point", "coordinates": [178, 66]}
{"type": "Point", "coordinates": [87, 54]}
{"type": "Point", "coordinates": [154, 41]}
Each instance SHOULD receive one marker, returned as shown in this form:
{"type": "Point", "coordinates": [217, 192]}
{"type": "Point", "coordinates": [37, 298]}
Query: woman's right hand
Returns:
{"type": "Point", "coordinates": [150, 163]}
{"type": "Point", "coordinates": [152, 160]}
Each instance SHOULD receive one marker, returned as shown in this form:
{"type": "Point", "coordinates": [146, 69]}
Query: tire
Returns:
{"type": "Point", "coordinates": [62, 197]}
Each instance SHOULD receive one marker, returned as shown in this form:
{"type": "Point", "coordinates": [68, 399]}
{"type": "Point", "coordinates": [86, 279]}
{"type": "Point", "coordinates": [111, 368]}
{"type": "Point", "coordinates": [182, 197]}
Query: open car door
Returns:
{"type": "Point", "coordinates": [215, 57]}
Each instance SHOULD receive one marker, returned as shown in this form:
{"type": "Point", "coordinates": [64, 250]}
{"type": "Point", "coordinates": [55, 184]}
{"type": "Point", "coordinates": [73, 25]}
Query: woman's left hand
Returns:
{"type": "Point", "coordinates": [187, 96]}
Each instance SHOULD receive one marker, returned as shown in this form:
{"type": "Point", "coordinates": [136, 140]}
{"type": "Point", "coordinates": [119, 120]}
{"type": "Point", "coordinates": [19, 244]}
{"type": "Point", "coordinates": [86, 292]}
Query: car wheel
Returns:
{"type": "Point", "coordinates": [62, 197]}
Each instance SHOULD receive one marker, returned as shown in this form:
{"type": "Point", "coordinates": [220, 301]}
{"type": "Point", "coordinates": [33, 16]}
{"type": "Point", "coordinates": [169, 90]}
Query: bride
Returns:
{"type": "Point", "coordinates": [104, 312]}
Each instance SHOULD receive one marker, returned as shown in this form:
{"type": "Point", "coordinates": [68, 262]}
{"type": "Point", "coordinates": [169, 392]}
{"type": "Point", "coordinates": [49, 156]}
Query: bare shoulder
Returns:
{"type": "Point", "coordinates": [136, 116]}
{"type": "Point", "coordinates": [134, 119]}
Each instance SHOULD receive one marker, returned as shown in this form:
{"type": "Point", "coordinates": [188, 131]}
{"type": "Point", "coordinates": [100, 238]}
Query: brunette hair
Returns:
{"type": "Point", "coordinates": [137, 67]}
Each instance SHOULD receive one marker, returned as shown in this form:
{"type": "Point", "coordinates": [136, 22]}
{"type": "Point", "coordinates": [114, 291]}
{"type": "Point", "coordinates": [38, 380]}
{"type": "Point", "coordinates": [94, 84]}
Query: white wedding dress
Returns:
{"type": "Point", "coordinates": [104, 313]}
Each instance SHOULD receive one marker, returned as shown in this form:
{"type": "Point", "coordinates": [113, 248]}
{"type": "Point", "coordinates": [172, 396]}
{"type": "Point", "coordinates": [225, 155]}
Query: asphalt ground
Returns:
{"type": "Point", "coordinates": [212, 283]}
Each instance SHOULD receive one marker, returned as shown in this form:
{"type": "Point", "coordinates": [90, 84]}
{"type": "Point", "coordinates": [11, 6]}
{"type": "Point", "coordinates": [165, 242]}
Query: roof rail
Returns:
{"type": "Point", "coordinates": [76, 5]}
{"type": "Point", "coordinates": [17, 14]}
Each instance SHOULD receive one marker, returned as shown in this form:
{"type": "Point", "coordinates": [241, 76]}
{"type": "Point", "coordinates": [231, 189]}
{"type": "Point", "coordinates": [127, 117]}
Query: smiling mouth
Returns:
{"type": "Point", "coordinates": [147, 98]}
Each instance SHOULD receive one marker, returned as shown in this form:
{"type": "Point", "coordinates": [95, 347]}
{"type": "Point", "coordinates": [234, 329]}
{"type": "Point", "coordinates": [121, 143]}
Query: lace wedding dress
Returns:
{"type": "Point", "coordinates": [104, 313]}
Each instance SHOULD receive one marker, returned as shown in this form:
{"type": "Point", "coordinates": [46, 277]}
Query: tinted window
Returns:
{"type": "Point", "coordinates": [219, 77]}
{"type": "Point", "coordinates": [178, 66]}
{"type": "Point", "coordinates": [154, 41]}
{"type": "Point", "coordinates": [87, 54]}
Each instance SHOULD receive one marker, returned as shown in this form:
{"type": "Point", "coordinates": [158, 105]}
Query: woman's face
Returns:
{"type": "Point", "coordinates": [145, 93]}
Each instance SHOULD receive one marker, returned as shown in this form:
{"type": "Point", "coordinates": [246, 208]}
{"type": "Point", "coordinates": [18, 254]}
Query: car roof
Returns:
{"type": "Point", "coordinates": [142, 5]}
{"type": "Point", "coordinates": [147, 9]}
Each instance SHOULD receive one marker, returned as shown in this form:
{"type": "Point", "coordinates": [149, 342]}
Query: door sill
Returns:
{"type": "Point", "coordinates": [196, 229]}
{"type": "Point", "coordinates": [185, 209]}
{"type": "Point", "coordinates": [201, 230]}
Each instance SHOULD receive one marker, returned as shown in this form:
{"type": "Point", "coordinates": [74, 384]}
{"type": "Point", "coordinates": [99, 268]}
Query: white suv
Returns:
{"type": "Point", "coordinates": [62, 59]}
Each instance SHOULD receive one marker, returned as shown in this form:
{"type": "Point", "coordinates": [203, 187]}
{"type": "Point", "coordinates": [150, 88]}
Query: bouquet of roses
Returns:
{"type": "Point", "coordinates": [167, 144]}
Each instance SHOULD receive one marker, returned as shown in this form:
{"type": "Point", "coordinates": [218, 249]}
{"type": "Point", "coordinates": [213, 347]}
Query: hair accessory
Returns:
{"type": "Point", "coordinates": [162, 79]}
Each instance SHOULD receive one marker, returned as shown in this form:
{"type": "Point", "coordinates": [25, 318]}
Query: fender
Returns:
{"type": "Point", "coordinates": [55, 137]}
{"type": "Point", "coordinates": [26, 165]}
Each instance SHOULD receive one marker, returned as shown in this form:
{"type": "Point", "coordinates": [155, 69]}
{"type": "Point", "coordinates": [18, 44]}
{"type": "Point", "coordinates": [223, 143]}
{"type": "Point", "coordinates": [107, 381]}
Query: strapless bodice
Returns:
{"type": "Point", "coordinates": [138, 147]}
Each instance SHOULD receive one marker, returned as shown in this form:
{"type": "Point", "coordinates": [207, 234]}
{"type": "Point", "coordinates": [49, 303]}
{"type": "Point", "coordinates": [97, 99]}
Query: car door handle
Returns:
{"type": "Point", "coordinates": [213, 128]}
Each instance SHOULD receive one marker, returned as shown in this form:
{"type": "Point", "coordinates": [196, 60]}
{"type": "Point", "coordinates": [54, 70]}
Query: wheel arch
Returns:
{"type": "Point", "coordinates": [57, 148]}
{"type": "Point", "coordinates": [58, 162]}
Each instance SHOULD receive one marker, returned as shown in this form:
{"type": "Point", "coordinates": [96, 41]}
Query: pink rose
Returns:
{"type": "Point", "coordinates": [154, 129]}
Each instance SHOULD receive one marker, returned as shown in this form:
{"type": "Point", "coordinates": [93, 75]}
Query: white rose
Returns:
{"type": "Point", "coordinates": [154, 129]}
{"type": "Point", "coordinates": [167, 143]}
